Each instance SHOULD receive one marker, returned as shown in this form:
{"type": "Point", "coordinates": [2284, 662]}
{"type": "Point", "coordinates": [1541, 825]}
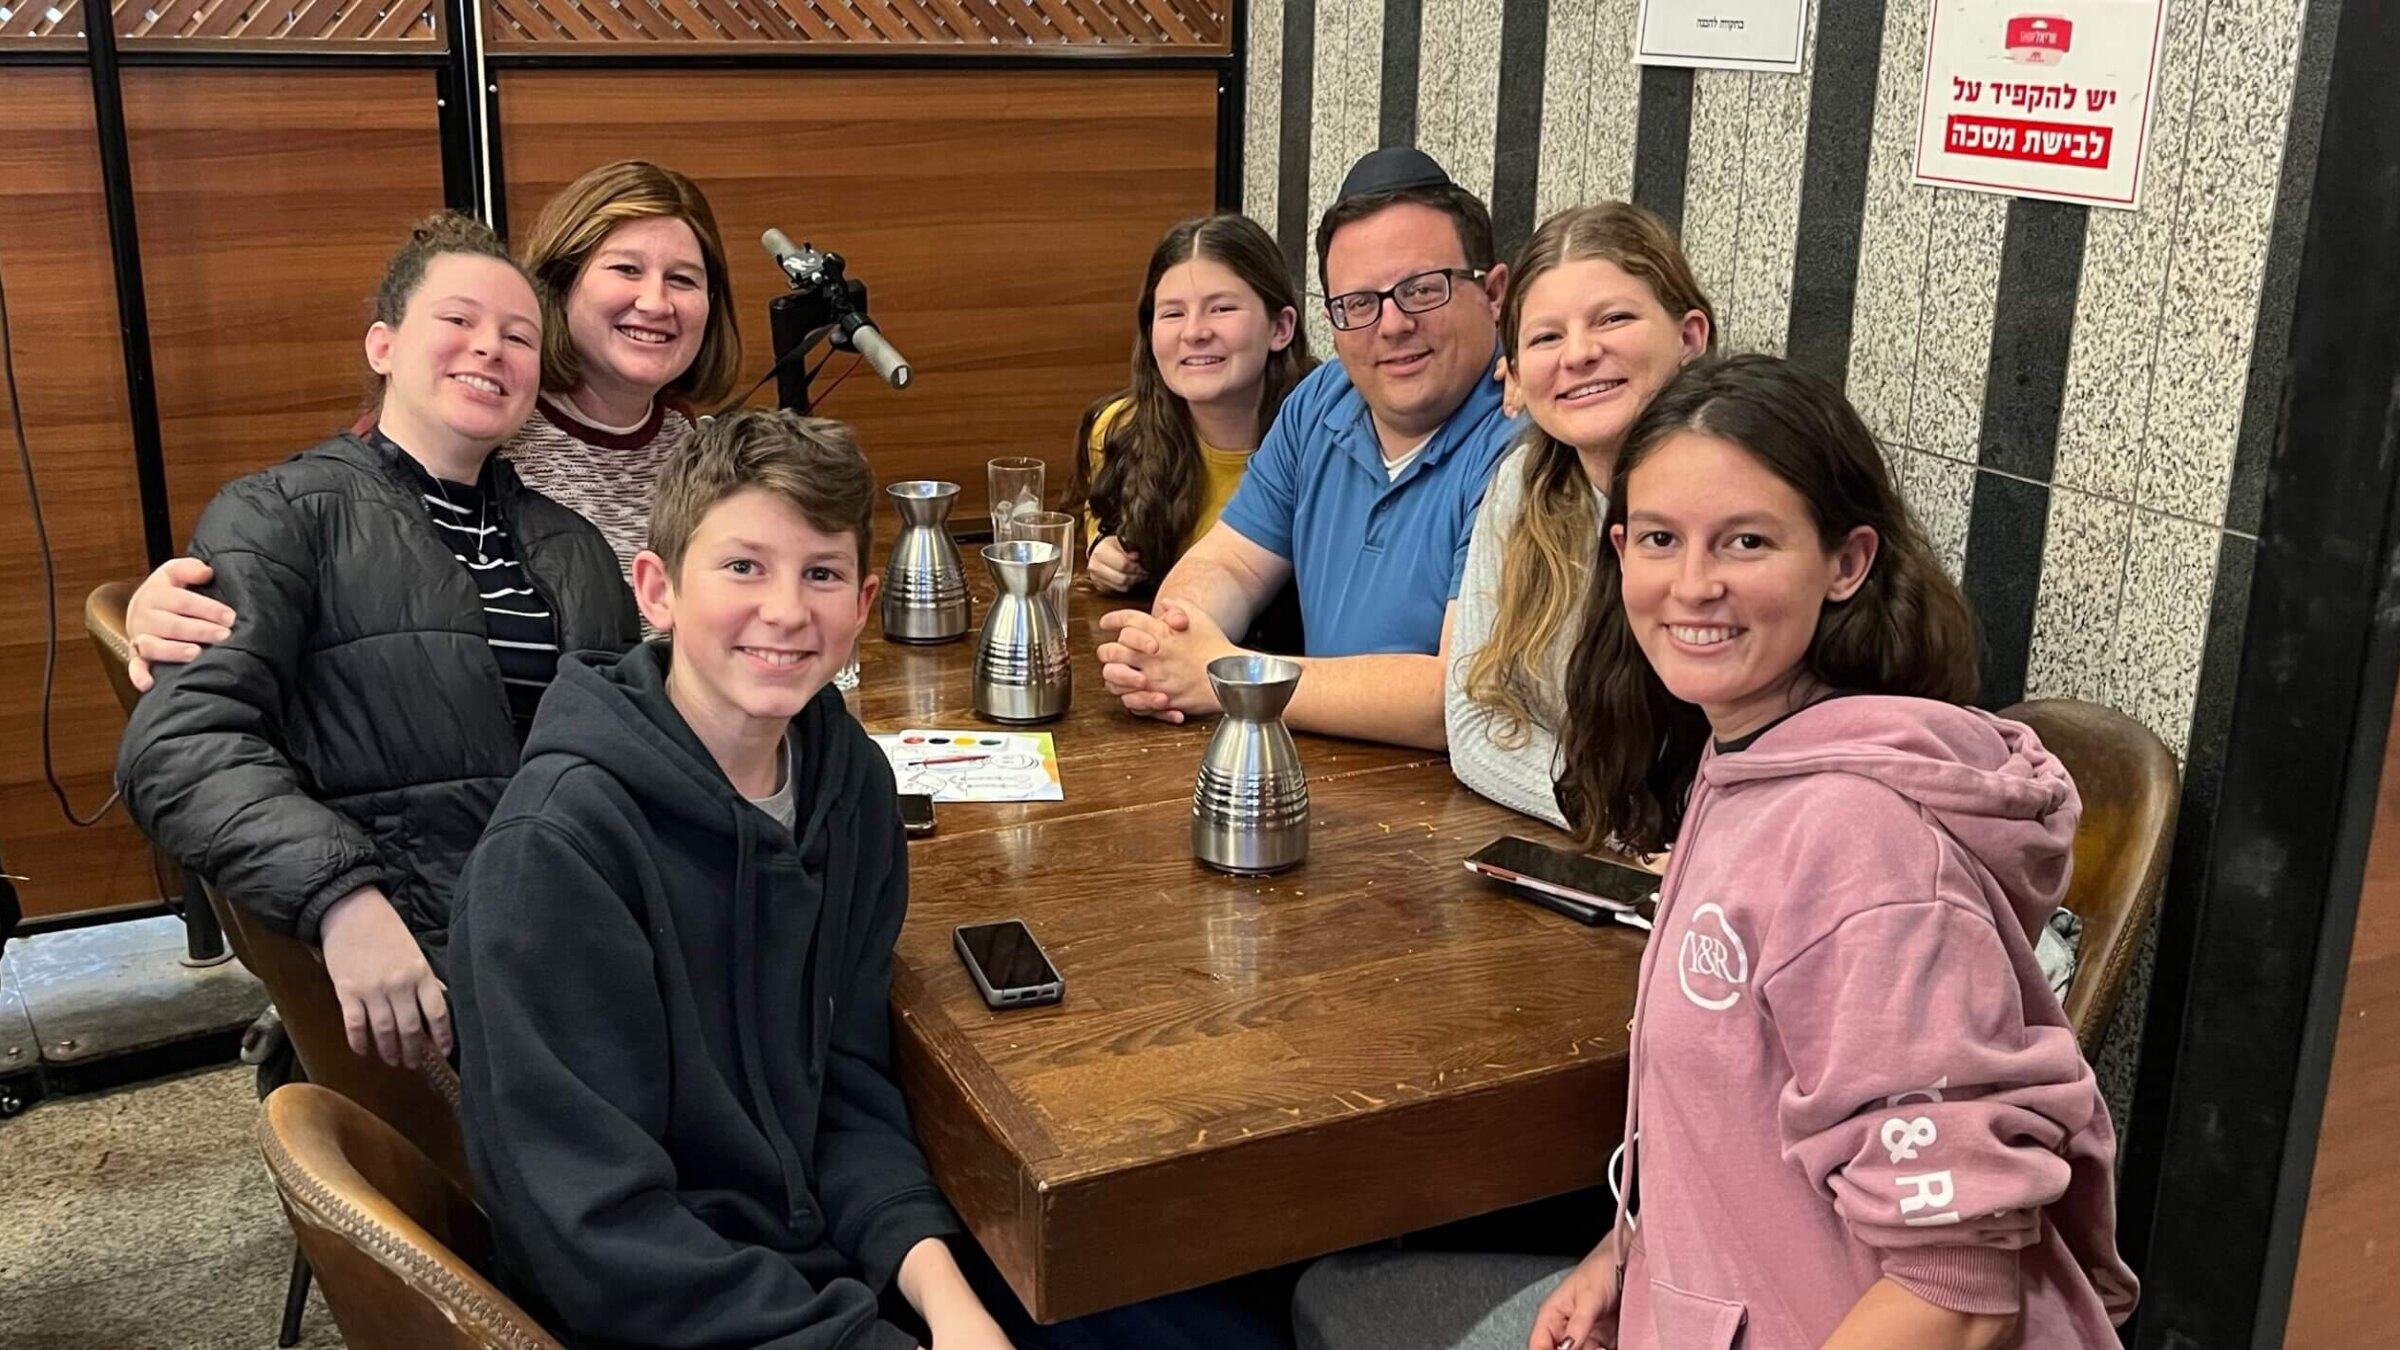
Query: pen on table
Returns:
{"type": "Point", "coordinates": [947, 759]}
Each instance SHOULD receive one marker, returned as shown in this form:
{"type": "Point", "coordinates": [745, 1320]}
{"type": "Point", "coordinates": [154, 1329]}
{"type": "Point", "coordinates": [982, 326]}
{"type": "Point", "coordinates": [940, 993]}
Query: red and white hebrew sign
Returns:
{"type": "Point", "coordinates": [2040, 98]}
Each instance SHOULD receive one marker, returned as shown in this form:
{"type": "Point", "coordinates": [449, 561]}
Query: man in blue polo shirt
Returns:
{"type": "Point", "coordinates": [1365, 489]}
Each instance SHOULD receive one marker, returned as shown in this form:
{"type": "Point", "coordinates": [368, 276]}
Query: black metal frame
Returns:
{"type": "Point", "coordinates": [459, 82]}
{"type": "Point", "coordinates": [820, 56]}
{"type": "Point", "coordinates": [133, 305]}
{"type": "Point", "coordinates": [2271, 922]}
{"type": "Point", "coordinates": [92, 918]}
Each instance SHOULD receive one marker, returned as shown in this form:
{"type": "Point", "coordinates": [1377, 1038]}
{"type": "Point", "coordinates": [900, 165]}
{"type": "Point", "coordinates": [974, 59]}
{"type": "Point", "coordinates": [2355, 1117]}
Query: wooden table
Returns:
{"type": "Point", "coordinates": [1244, 1072]}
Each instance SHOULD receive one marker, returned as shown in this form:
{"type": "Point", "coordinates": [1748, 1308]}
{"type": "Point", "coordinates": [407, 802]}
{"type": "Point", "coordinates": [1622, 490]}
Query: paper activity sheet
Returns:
{"type": "Point", "coordinates": [976, 765]}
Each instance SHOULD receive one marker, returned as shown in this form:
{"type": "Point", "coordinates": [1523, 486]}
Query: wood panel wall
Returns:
{"type": "Point", "coordinates": [2346, 1289]}
{"type": "Point", "coordinates": [268, 201]}
{"type": "Point", "coordinates": [1001, 221]}
{"type": "Point", "coordinates": [1000, 218]}
{"type": "Point", "coordinates": [62, 317]}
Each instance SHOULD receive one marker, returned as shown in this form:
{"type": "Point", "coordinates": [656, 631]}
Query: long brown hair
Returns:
{"type": "Point", "coordinates": [579, 219]}
{"type": "Point", "coordinates": [1546, 558]}
{"type": "Point", "coordinates": [1630, 747]}
{"type": "Point", "coordinates": [1146, 491]}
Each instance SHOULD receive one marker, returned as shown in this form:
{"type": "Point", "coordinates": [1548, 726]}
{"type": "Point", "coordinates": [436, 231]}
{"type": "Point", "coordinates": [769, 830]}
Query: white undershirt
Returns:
{"type": "Point", "coordinates": [1393, 468]}
{"type": "Point", "coordinates": [597, 425]}
{"type": "Point", "coordinates": [781, 803]}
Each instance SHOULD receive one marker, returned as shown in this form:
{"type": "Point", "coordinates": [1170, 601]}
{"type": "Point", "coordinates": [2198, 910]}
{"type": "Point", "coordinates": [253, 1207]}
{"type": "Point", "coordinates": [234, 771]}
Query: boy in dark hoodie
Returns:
{"type": "Point", "coordinates": [672, 952]}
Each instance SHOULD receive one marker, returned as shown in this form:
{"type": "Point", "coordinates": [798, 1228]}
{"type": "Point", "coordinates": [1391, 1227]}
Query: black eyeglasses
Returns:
{"type": "Point", "coordinates": [1414, 295]}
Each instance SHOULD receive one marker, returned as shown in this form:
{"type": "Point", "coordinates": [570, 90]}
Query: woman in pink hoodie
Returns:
{"type": "Point", "coordinates": [1857, 1117]}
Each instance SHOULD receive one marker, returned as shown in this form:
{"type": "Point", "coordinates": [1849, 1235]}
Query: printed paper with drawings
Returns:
{"type": "Point", "coordinates": [974, 766]}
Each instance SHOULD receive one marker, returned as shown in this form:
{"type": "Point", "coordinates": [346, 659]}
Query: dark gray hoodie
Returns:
{"type": "Point", "coordinates": [673, 1029]}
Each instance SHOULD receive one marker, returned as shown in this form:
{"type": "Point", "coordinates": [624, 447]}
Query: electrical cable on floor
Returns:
{"type": "Point", "coordinates": [41, 539]}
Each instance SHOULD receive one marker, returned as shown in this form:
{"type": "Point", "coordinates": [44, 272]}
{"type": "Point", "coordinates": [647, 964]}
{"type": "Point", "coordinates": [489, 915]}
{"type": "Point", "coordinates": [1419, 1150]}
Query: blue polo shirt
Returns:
{"type": "Point", "coordinates": [1376, 559]}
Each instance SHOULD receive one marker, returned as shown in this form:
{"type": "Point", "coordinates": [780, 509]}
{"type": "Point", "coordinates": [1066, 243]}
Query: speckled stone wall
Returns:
{"type": "Point", "coordinates": [2077, 402]}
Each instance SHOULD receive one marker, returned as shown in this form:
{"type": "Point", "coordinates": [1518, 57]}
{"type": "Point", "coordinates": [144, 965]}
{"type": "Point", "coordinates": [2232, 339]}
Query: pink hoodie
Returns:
{"type": "Point", "coordinates": [1846, 1063]}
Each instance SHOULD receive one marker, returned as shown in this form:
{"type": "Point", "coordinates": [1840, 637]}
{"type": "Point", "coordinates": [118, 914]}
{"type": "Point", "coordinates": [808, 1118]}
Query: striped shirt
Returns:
{"type": "Point", "coordinates": [517, 621]}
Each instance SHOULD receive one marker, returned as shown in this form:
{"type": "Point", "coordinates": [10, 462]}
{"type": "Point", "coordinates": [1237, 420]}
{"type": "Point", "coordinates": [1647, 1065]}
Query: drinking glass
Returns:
{"type": "Point", "coordinates": [1056, 528]}
{"type": "Point", "coordinates": [1016, 485]}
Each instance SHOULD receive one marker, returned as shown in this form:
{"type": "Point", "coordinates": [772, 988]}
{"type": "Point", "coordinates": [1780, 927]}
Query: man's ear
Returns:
{"type": "Point", "coordinates": [654, 590]}
{"type": "Point", "coordinates": [1495, 286]}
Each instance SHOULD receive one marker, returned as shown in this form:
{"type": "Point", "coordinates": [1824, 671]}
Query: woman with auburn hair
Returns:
{"type": "Point", "coordinates": [1856, 1114]}
{"type": "Point", "coordinates": [1602, 310]}
{"type": "Point", "coordinates": [638, 333]}
{"type": "Point", "coordinates": [1217, 344]}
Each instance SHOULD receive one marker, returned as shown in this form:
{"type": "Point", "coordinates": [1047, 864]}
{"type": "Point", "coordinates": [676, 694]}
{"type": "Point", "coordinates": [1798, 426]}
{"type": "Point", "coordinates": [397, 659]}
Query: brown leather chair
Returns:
{"type": "Point", "coordinates": [104, 622]}
{"type": "Point", "coordinates": [398, 1249]}
{"type": "Point", "coordinates": [2130, 784]}
{"type": "Point", "coordinates": [422, 1105]}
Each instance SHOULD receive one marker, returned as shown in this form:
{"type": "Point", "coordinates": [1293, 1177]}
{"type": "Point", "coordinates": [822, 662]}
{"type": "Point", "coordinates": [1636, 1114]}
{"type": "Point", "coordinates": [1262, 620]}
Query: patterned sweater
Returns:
{"type": "Point", "coordinates": [604, 476]}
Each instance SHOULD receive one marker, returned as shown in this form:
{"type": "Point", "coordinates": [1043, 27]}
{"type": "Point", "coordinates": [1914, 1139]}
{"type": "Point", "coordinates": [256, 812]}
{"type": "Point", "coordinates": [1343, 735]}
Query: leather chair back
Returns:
{"type": "Point", "coordinates": [2130, 785]}
{"type": "Point", "coordinates": [421, 1103]}
{"type": "Point", "coordinates": [398, 1249]}
{"type": "Point", "coordinates": [104, 624]}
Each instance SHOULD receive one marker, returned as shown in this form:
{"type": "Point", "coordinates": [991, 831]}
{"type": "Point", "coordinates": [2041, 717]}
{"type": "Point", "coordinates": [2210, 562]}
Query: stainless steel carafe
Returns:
{"type": "Point", "coordinates": [925, 585]}
{"type": "Point", "coordinates": [1021, 670]}
{"type": "Point", "coordinates": [1250, 805]}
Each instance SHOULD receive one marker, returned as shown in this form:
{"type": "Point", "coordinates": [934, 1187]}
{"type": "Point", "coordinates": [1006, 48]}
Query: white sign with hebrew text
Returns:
{"type": "Point", "coordinates": [1728, 34]}
{"type": "Point", "coordinates": [2040, 98]}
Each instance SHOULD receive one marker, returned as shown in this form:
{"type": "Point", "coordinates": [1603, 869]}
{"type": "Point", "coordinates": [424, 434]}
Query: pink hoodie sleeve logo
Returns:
{"type": "Point", "coordinates": [1711, 964]}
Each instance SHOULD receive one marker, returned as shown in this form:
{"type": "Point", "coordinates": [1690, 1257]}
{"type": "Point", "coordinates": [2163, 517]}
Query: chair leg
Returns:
{"type": "Point", "coordinates": [295, 1301]}
{"type": "Point", "coordinates": [204, 941]}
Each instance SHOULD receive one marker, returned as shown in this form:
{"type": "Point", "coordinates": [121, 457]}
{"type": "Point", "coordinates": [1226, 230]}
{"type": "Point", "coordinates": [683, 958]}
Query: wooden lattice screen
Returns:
{"type": "Point", "coordinates": [989, 25]}
{"type": "Point", "coordinates": [243, 21]}
{"type": "Point", "coordinates": [992, 25]}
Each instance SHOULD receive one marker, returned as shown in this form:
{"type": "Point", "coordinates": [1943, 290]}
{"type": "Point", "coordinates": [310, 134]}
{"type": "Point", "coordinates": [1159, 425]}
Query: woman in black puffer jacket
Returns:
{"type": "Point", "coordinates": [402, 601]}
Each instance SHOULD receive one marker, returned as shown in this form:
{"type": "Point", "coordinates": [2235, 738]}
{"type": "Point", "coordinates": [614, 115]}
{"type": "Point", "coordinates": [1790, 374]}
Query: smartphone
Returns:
{"type": "Point", "coordinates": [1007, 965]}
{"type": "Point", "coordinates": [1587, 890]}
{"type": "Point", "coordinates": [916, 813]}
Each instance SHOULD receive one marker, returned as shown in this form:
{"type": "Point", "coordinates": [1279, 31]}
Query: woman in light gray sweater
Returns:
{"type": "Point", "coordinates": [1602, 310]}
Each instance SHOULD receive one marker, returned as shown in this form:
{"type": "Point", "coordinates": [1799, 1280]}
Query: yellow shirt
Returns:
{"type": "Point", "coordinates": [1220, 473]}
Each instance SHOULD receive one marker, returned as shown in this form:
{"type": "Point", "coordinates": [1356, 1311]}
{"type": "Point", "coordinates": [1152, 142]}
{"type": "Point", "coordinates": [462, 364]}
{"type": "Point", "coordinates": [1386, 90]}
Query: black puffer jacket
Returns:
{"type": "Point", "coordinates": [353, 731]}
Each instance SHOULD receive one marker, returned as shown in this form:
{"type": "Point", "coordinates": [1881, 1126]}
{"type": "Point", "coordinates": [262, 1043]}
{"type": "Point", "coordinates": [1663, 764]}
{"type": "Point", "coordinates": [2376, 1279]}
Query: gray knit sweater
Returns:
{"type": "Point", "coordinates": [1518, 778]}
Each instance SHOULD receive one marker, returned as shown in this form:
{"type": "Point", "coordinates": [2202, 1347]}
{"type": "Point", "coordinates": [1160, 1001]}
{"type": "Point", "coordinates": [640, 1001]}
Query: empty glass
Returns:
{"type": "Point", "coordinates": [1057, 529]}
{"type": "Point", "coordinates": [1016, 485]}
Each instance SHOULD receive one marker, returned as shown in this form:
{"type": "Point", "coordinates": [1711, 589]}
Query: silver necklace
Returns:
{"type": "Point", "coordinates": [482, 510]}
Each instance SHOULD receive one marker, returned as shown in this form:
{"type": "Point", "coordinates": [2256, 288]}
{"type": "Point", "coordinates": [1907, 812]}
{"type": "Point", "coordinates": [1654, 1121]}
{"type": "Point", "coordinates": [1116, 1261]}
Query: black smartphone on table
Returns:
{"type": "Point", "coordinates": [916, 814]}
{"type": "Point", "coordinates": [1009, 968]}
{"type": "Point", "coordinates": [1585, 889]}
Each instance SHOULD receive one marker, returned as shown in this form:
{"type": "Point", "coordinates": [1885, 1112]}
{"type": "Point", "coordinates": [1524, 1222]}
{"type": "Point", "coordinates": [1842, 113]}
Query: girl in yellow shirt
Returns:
{"type": "Point", "coordinates": [1217, 345]}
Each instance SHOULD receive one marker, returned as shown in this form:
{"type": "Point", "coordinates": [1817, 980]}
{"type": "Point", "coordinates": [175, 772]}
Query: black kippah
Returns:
{"type": "Point", "coordinates": [1389, 170]}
